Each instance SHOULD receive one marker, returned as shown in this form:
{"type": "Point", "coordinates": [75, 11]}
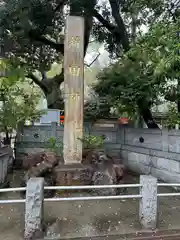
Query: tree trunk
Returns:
{"type": "Point", "coordinates": [55, 99]}
{"type": "Point", "coordinates": [147, 115]}
{"type": "Point", "coordinates": [56, 105]}
{"type": "Point", "coordinates": [7, 139]}
{"type": "Point", "coordinates": [148, 118]}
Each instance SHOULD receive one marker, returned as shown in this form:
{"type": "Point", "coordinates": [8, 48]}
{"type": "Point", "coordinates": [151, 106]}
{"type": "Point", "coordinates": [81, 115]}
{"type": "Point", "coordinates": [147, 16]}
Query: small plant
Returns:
{"type": "Point", "coordinates": [55, 146]}
{"type": "Point", "coordinates": [92, 142]}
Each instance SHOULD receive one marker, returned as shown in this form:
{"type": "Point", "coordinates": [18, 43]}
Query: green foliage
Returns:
{"type": "Point", "coordinates": [55, 145]}
{"type": "Point", "coordinates": [173, 117]}
{"type": "Point", "coordinates": [134, 14]}
{"type": "Point", "coordinates": [22, 22]}
{"type": "Point", "coordinates": [33, 30]}
{"type": "Point", "coordinates": [92, 142]}
{"type": "Point", "coordinates": [17, 103]}
{"type": "Point", "coordinates": [96, 109]}
{"type": "Point", "coordinates": [140, 75]}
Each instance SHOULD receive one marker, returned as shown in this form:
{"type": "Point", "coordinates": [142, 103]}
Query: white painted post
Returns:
{"type": "Point", "coordinates": [148, 202]}
{"type": "Point", "coordinates": [34, 208]}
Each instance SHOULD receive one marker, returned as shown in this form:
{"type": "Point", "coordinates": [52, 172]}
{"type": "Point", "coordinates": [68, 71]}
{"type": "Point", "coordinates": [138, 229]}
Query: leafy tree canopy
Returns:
{"type": "Point", "coordinates": [140, 76]}
{"type": "Point", "coordinates": [33, 32]}
{"type": "Point", "coordinates": [18, 102]}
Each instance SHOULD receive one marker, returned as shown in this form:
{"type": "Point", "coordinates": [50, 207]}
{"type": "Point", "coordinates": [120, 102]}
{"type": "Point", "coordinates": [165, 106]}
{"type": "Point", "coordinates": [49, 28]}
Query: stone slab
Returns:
{"type": "Point", "coordinates": [72, 175]}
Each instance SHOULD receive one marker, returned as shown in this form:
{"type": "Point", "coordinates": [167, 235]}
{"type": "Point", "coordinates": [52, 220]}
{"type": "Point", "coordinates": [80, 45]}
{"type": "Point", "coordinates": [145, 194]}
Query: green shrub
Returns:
{"type": "Point", "coordinates": [92, 142]}
{"type": "Point", "coordinates": [55, 145]}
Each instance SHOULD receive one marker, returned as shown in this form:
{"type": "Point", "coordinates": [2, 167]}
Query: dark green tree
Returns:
{"type": "Point", "coordinates": [33, 32]}
{"type": "Point", "coordinates": [143, 74]}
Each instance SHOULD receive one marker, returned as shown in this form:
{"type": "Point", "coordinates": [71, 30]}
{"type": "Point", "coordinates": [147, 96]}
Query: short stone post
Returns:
{"type": "Point", "coordinates": [148, 202]}
{"type": "Point", "coordinates": [34, 208]}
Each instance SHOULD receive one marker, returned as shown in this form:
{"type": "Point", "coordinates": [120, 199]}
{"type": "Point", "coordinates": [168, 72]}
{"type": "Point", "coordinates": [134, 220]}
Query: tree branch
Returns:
{"type": "Point", "coordinates": [110, 27]}
{"type": "Point", "coordinates": [58, 79]}
{"type": "Point", "coordinates": [38, 82]}
{"type": "Point", "coordinates": [118, 31]}
{"type": "Point", "coordinates": [39, 38]}
{"type": "Point", "coordinates": [60, 5]}
{"type": "Point", "coordinates": [120, 24]}
{"type": "Point", "coordinates": [88, 22]}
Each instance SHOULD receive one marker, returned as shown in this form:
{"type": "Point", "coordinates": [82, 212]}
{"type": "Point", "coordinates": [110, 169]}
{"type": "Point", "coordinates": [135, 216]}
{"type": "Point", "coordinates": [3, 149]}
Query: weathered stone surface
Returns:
{"type": "Point", "coordinates": [103, 178]}
{"type": "Point", "coordinates": [86, 176]}
{"type": "Point", "coordinates": [120, 171]}
{"type": "Point", "coordinates": [51, 159]}
{"type": "Point", "coordinates": [48, 181]}
{"type": "Point", "coordinates": [95, 157]}
{"type": "Point", "coordinates": [106, 170]}
{"type": "Point", "coordinates": [76, 174]}
{"type": "Point", "coordinates": [34, 209]}
{"type": "Point", "coordinates": [48, 161]}
{"type": "Point", "coordinates": [32, 160]}
{"type": "Point", "coordinates": [148, 202]}
{"type": "Point", "coordinates": [37, 171]}
{"type": "Point", "coordinates": [42, 169]}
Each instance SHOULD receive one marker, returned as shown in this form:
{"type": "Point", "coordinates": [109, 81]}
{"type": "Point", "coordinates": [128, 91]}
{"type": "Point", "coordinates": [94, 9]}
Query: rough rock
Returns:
{"type": "Point", "coordinates": [48, 181]}
{"type": "Point", "coordinates": [32, 160]}
{"type": "Point", "coordinates": [86, 176]}
{"type": "Point", "coordinates": [94, 157]}
{"type": "Point", "coordinates": [43, 169]}
{"type": "Point", "coordinates": [107, 173]}
{"type": "Point", "coordinates": [103, 178]}
{"type": "Point", "coordinates": [107, 170]}
{"type": "Point", "coordinates": [51, 159]}
{"type": "Point", "coordinates": [120, 171]}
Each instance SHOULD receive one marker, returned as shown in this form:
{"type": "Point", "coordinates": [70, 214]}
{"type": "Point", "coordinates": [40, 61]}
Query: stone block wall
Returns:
{"type": "Point", "coordinates": [144, 151]}
{"type": "Point", "coordinates": [154, 152]}
{"type": "Point", "coordinates": [34, 138]}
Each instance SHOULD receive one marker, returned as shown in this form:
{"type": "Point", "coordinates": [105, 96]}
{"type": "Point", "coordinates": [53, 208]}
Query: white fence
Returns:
{"type": "Point", "coordinates": [148, 195]}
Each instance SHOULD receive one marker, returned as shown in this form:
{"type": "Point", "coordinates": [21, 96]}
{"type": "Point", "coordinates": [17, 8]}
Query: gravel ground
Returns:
{"type": "Point", "coordinates": [87, 218]}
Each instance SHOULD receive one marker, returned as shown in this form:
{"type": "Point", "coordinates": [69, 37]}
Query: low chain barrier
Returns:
{"type": "Point", "coordinates": [34, 201]}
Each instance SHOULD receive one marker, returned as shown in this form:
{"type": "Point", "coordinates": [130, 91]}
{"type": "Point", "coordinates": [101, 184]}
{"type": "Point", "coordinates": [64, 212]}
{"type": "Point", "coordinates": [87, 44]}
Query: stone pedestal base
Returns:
{"type": "Point", "coordinates": [72, 175]}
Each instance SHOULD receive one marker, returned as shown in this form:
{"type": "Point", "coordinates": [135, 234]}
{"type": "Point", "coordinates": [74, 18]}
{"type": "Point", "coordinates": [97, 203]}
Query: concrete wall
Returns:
{"type": "Point", "coordinates": [144, 151]}
{"type": "Point", "coordinates": [27, 140]}
{"type": "Point", "coordinates": [158, 154]}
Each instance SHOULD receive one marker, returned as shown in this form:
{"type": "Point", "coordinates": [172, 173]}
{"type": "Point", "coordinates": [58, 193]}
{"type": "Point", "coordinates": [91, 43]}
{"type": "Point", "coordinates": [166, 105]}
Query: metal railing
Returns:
{"type": "Point", "coordinates": [148, 204]}
{"type": "Point", "coordinates": [88, 187]}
